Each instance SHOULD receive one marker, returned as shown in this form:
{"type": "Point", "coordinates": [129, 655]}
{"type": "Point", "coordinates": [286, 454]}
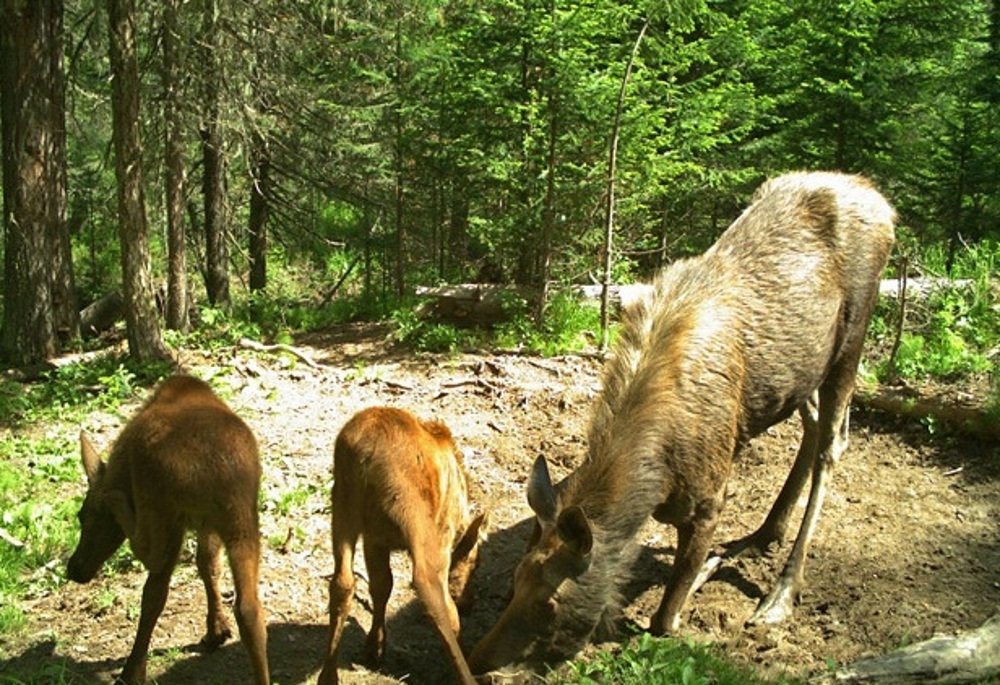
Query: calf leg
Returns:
{"type": "Point", "coordinates": [341, 597]}
{"type": "Point", "coordinates": [244, 560]}
{"type": "Point", "coordinates": [161, 547]}
{"type": "Point", "coordinates": [430, 580]}
{"type": "Point", "coordinates": [380, 586]}
{"type": "Point", "coordinates": [208, 558]}
{"type": "Point", "coordinates": [834, 408]}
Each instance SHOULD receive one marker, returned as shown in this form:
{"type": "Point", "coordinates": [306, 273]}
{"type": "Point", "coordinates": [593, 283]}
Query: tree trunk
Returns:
{"type": "Point", "coordinates": [31, 180]}
{"type": "Point", "coordinates": [142, 324]}
{"type": "Point", "coordinates": [64, 302]}
{"type": "Point", "coordinates": [213, 163]}
{"type": "Point", "coordinates": [177, 300]}
{"type": "Point", "coordinates": [260, 179]}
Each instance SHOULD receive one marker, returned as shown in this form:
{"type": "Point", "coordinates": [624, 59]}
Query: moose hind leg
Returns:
{"type": "Point", "coordinates": [834, 409]}
{"type": "Point", "coordinates": [208, 558]}
{"type": "Point", "coordinates": [244, 561]}
{"type": "Point", "coordinates": [380, 586]}
{"type": "Point", "coordinates": [776, 524]}
{"type": "Point", "coordinates": [341, 596]}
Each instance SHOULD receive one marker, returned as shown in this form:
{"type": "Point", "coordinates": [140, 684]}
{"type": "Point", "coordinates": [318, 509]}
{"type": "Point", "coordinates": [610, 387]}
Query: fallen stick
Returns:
{"type": "Point", "coordinates": [278, 347]}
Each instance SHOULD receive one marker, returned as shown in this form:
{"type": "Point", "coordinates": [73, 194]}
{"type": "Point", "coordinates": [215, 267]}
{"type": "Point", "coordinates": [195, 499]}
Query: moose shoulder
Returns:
{"type": "Point", "coordinates": [769, 321]}
{"type": "Point", "coordinates": [185, 459]}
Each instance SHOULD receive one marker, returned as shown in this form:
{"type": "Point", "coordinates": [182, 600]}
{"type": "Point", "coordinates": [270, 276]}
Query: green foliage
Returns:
{"type": "Point", "coordinates": [35, 511]}
{"type": "Point", "coordinates": [955, 332]}
{"type": "Point", "coordinates": [430, 336]}
{"type": "Point", "coordinates": [50, 671]}
{"type": "Point", "coordinates": [569, 325]}
{"type": "Point", "coordinates": [647, 660]}
{"type": "Point", "coordinates": [103, 382]}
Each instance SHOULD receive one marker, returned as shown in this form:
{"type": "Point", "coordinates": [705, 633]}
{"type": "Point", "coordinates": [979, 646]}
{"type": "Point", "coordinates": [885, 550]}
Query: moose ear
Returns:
{"type": "Point", "coordinates": [91, 459]}
{"type": "Point", "coordinates": [574, 530]}
{"type": "Point", "coordinates": [541, 494]}
{"type": "Point", "coordinates": [472, 536]}
{"type": "Point", "coordinates": [122, 511]}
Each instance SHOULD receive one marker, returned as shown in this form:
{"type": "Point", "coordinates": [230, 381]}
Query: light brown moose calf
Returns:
{"type": "Point", "coordinates": [399, 482]}
{"type": "Point", "coordinates": [184, 461]}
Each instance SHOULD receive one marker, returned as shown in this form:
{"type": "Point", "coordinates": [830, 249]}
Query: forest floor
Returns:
{"type": "Point", "coordinates": [908, 544]}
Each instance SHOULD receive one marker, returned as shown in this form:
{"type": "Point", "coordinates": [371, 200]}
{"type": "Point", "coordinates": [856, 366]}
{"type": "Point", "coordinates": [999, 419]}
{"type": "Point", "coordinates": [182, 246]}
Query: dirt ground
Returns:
{"type": "Point", "coordinates": [908, 543]}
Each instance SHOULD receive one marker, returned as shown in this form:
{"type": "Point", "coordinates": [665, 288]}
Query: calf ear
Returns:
{"type": "Point", "coordinates": [574, 530]}
{"type": "Point", "coordinates": [122, 511]}
{"type": "Point", "coordinates": [473, 534]}
{"type": "Point", "coordinates": [91, 459]}
{"type": "Point", "coordinates": [541, 494]}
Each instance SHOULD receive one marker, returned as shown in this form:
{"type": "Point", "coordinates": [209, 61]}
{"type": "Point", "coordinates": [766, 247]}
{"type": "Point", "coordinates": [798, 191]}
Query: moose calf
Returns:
{"type": "Point", "coordinates": [399, 482]}
{"type": "Point", "coordinates": [185, 460]}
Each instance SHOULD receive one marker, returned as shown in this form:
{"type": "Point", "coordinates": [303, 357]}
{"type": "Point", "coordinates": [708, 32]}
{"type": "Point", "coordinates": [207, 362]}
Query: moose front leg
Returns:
{"type": "Point", "coordinates": [693, 542]}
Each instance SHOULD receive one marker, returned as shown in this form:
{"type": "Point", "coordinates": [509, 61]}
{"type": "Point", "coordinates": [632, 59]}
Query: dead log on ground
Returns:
{"type": "Point", "coordinates": [975, 421]}
{"type": "Point", "coordinates": [102, 314]}
{"type": "Point", "coordinates": [971, 656]}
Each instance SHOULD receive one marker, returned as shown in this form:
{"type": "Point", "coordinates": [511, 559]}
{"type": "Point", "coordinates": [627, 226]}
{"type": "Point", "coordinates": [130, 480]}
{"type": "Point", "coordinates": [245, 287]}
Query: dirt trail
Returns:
{"type": "Point", "coordinates": [908, 544]}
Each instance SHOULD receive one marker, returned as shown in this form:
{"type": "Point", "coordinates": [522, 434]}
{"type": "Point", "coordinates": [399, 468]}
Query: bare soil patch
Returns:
{"type": "Point", "coordinates": [908, 545]}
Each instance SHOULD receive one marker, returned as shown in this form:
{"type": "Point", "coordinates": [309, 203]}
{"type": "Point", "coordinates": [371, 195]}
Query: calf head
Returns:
{"type": "Point", "coordinates": [104, 518]}
{"type": "Point", "coordinates": [552, 613]}
{"type": "Point", "coordinates": [464, 560]}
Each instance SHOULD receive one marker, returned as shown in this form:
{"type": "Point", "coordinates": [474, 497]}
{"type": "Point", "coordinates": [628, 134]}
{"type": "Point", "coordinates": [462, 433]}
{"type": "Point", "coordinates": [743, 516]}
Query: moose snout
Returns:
{"type": "Point", "coordinates": [77, 571]}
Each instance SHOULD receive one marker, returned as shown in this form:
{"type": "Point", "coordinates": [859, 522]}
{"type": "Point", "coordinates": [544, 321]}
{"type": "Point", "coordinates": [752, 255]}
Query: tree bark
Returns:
{"type": "Point", "coordinates": [33, 177]}
{"type": "Point", "coordinates": [213, 164]}
{"type": "Point", "coordinates": [177, 286]}
{"type": "Point", "coordinates": [142, 323]}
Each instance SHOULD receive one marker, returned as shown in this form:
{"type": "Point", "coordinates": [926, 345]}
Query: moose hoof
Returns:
{"type": "Point", "coordinates": [775, 608]}
{"type": "Point", "coordinates": [215, 638]}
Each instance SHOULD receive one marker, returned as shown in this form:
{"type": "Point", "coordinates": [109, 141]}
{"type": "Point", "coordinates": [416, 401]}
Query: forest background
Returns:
{"type": "Point", "coordinates": [213, 170]}
{"type": "Point", "coordinates": [291, 164]}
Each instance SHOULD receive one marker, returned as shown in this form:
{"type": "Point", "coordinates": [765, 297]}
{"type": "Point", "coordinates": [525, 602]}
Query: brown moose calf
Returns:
{"type": "Point", "coordinates": [185, 460]}
{"type": "Point", "coordinates": [400, 483]}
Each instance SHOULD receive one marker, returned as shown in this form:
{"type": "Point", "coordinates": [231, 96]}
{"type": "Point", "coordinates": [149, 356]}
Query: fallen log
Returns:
{"type": "Point", "coordinates": [483, 303]}
{"type": "Point", "coordinates": [102, 314]}
{"type": "Point", "coordinates": [971, 656]}
{"type": "Point", "coordinates": [978, 422]}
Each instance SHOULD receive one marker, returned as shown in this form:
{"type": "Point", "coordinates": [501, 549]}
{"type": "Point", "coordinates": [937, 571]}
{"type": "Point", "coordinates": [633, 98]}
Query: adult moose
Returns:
{"type": "Point", "coordinates": [399, 483]}
{"type": "Point", "coordinates": [770, 320]}
{"type": "Point", "coordinates": [184, 460]}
